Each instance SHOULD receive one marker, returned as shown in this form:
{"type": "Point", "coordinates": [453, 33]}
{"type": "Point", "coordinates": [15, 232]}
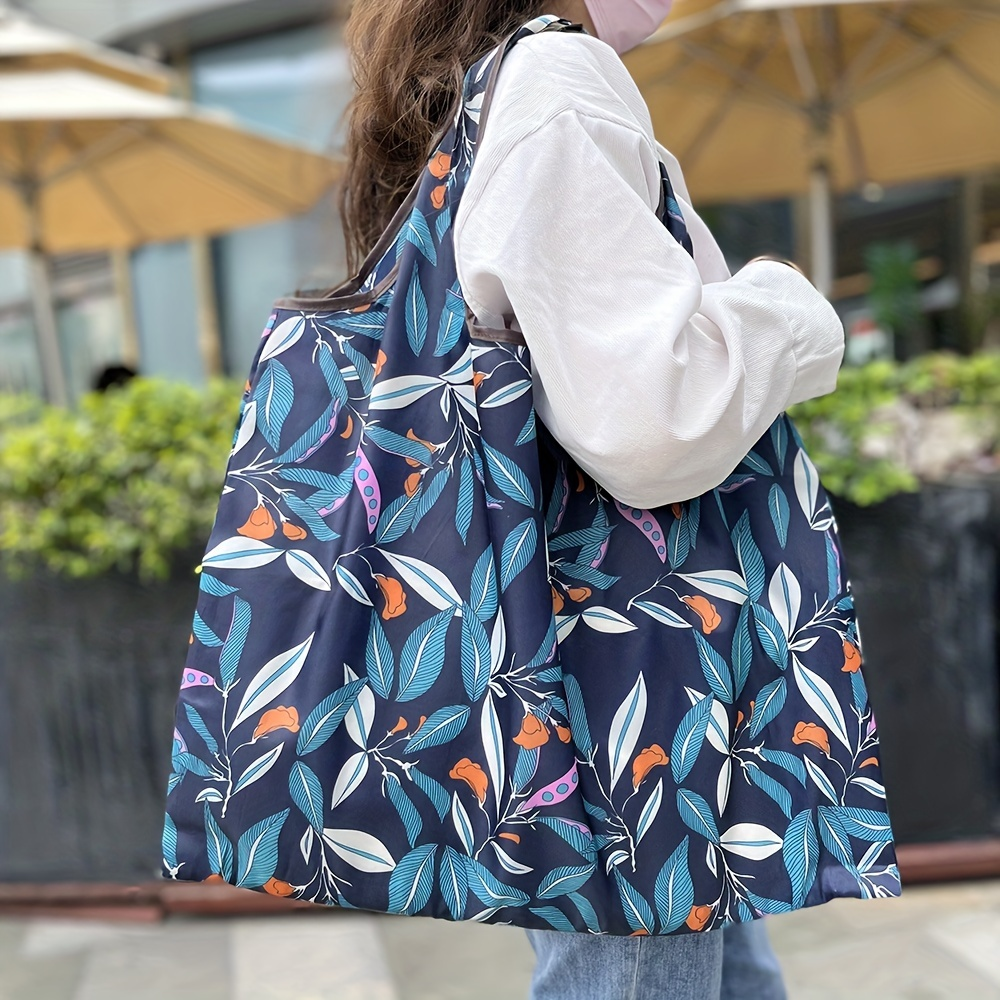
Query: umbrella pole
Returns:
{"type": "Point", "coordinates": [821, 228]}
{"type": "Point", "coordinates": [43, 309]}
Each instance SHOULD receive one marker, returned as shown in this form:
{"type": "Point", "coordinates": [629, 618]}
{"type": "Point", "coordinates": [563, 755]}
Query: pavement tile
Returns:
{"type": "Point", "coordinates": [309, 958]}
{"type": "Point", "coordinates": [185, 959]}
{"type": "Point", "coordinates": [972, 938]}
{"type": "Point", "coordinates": [438, 960]}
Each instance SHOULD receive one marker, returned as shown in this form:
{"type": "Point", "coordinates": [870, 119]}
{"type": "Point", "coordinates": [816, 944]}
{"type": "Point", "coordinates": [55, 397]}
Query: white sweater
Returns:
{"type": "Point", "coordinates": [656, 372]}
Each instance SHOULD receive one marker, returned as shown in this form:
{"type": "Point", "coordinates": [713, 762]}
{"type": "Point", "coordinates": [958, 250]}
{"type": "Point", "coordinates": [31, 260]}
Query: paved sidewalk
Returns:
{"type": "Point", "coordinates": [940, 942]}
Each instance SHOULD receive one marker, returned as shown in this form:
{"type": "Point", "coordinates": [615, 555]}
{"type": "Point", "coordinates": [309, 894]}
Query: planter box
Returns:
{"type": "Point", "coordinates": [924, 571]}
{"type": "Point", "coordinates": [89, 673]}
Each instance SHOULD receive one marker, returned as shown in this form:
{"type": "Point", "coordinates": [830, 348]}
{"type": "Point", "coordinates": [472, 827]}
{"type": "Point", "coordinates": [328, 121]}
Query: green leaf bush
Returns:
{"type": "Point", "coordinates": [127, 481]}
{"type": "Point", "coordinates": [131, 479]}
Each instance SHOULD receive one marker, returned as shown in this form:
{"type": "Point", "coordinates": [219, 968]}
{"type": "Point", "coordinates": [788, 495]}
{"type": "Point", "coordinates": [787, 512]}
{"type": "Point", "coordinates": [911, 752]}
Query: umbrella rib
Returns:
{"type": "Point", "coordinates": [800, 57]}
{"type": "Point", "coordinates": [871, 50]}
{"type": "Point", "coordinates": [226, 171]}
{"type": "Point", "coordinates": [740, 76]}
{"type": "Point", "coordinates": [943, 47]}
{"type": "Point", "coordinates": [114, 142]}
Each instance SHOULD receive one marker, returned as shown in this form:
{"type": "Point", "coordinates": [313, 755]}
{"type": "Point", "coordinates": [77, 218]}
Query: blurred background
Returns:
{"type": "Point", "coordinates": [168, 168]}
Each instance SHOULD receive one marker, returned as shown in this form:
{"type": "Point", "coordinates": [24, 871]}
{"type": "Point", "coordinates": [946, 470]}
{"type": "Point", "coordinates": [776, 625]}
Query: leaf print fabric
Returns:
{"type": "Point", "coordinates": [435, 669]}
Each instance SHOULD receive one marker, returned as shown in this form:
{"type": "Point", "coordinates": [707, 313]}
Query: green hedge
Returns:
{"type": "Point", "coordinates": [132, 478]}
{"type": "Point", "coordinates": [127, 481]}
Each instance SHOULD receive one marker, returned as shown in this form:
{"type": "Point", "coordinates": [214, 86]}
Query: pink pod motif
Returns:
{"type": "Point", "coordinates": [649, 526]}
{"type": "Point", "coordinates": [196, 679]}
{"type": "Point", "coordinates": [551, 795]}
{"type": "Point", "coordinates": [737, 482]}
{"type": "Point", "coordinates": [565, 501]}
{"type": "Point", "coordinates": [269, 327]}
{"type": "Point", "coordinates": [327, 434]}
{"type": "Point", "coordinates": [871, 727]}
{"type": "Point", "coordinates": [367, 484]}
{"type": "Point", "coordinates": [179, 745]}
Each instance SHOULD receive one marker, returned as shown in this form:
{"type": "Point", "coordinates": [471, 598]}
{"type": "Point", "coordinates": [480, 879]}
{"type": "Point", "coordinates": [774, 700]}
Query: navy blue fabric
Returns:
{"type": "Point", "coordinates": [436, 669]}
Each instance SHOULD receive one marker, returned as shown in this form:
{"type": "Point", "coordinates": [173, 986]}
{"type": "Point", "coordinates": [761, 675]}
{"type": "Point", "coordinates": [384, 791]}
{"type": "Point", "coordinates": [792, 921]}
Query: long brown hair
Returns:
{"type": "Point", "coordinates": [409, 58]}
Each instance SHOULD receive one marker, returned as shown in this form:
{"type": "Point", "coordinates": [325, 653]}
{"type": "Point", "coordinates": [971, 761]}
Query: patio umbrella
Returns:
{"type": "Point", "coordinates": [88, 162]}
{"type": "Point", "coordinates": [27, 45]}
{"type": "Point", "coordinates": [770, 98]}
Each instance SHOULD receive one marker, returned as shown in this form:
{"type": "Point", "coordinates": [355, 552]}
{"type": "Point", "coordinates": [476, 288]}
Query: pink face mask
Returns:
{"type": "Point", "coordinates": [624, 24]}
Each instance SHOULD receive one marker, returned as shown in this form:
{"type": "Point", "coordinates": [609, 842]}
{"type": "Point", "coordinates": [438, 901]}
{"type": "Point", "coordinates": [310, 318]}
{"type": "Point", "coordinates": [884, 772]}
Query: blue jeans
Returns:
{"type": "Point", "coordinates": [733, 964]}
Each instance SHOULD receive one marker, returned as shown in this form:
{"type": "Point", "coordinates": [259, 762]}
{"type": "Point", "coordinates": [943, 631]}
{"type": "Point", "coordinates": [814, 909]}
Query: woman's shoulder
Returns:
{"type": "Point", "coordinates": [559, 72]}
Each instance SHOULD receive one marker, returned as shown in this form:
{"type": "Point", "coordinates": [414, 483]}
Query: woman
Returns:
{"type": "Point", "coordinates": [598, 674]}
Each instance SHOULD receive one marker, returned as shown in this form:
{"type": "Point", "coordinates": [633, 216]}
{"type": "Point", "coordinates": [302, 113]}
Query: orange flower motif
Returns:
{"type": "Point", "coordinates": [477, 379]}
{"type": "Point", "coordinates": [867, 761]}
{"type": "Point", "coordinates": [278, 888]}
{"type": "Point", "coordinates": [473, 775]}
{"type": "Point", "coordinates": [412, 462]}
{"type": "Point", "coordinates": [852, 658]}
{"type": "Point", "coordinates": [678, 510]}
{"type": "Point", "coordinates": [412, 484]}
{"type": "Point", "coordinates": [514, 838]}
{"type": "Point", "coordinates": [641, 932]}
{"type": "Point", "coordinates": [809, 732]}
{"type": "Point", "coordinates": [399, 727]}
{"type": "Point", "coordinates": [739, 719]}
{"type": "Point", "coordinates": [698, 917]}
{"type": "Point", "coordinates": [380, 361]}
{"type": "Point", "coordinates": [558, 601]}
{"type": "Point", "coordinates": [706, 611]}
{"type": "Point", "coordinates": [349, 429]}
{"type": "Point", "coordinates": [578, 594]}
{"type": "Point", "coordinates": [259, 525]}
{"type": "Point", "coordinates": [440, 165]}
{"type": "Point", "coordinates": [277, 718]}
{"type": "Point", "coordinates": [651, 757]}
{"type": "Point", "coordinates": [533, 733]}
{"type": "Point", "coordinates": [214, 880]}
{"type": "Point", "coordinates": [564, 733]}
{"type": "Point", "coordinates": [581, 483]}
{"type": "Point", "coordinates": [393, 594]}
{"type": "Point", "coordinates": [437, 195]}
{"type": "Point", "coordinates": [293, 531]}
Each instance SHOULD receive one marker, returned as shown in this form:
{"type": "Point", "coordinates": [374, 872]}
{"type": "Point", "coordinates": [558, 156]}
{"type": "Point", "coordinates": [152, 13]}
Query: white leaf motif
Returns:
{"type": "Point", "coordinates": [241, 553]}
{"type": "Point", "coordinates": [361, 717]}
{"type": "Point", "coordinates": [352, 585]}
{"type": "Point", "coordinates": [282, 337]}
{"type": "Point", "coordinates": [606, 620]}
{"type": "Point", "coordinates": [723, 784]}
{"type": "Point", "coordinates": [305, 567]}
{"type": "Point", "coordinates": [248, 426]}
{"type": "Point", "coordinates": [785, 598]}
{"type": "Point", "coordinates": [806, 484]}
{"type": "Point", "coordinates": [272, 679]}
{"type": "Point", "coordinates": [462, 824]}
{"type": "Point", "coordinates": [493, 746]}
{"type": "Point", "coordinates": [649, 811]}
{"type": "Point", "coordinates": [820, 698]}
{"type": "Point", "coordinates": [508, 863]}
{"type": "Point", "coordinates": [351, 775]}
{"type": "Point", "coordinates": [396, 393]}
{"type": "Point", "coordinates": [751, 841]}
{"type": "Point", "coordinates": [258, 768]}
{"type": "Point", "coordinates": [625, 729]}
{"type": "Point", "coordinates": [725, 584]}
{"type": "Point", "coordinates": [360, 850]}
{"type": "Point", "coordinates": [426, 580]}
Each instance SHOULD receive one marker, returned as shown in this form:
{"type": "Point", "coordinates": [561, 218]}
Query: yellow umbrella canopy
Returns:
{"type": "Point", "coordinates": [768, 98]}
{"type": "Point", "coordinates": [25, 44]}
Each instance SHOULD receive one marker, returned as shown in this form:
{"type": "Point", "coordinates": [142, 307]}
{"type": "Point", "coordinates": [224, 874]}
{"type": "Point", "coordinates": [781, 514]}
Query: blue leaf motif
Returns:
{"type": "Point", "coordinates": [489, 889]}
{"type": "Point", "coordinates": [416, 315]}
{"type": "Point", "coordinates": [578, 716]}
{"type": "Point", "coordinates": [524, 768]}
{"type": "Point", "coordinates": [528, 431]}
{"type": "Point", "coordinates": [395, 444]}
{"type": "Point", "coordinates": [866, 824]}
{"type": "Point", "coordinates": [554, 917]}
{"type": "Point", "coordinates": [219, 849]}
{"type": "Point", "coordinates": [678, 543]}
{"type": "Point", "coordinates": [307, 794]}
{"type": "Point", "coordinates": [433, 789]}
{"type": "Point", "coordinates": [517, 551]}
{"type": "Point", "coordinates": [232, 650]}
{"type": "Point", "coordinates": [323, 720]}
{"type": "Point", "coordinates": [475, 655]}
{"type": "Point", "coordinates": [564, 880]}
{"type": "Point", "coordinates": [769, 702]}
{"type": "Point", "coordinates": [258, 851]}
{"type": "Point", "coordinates": [419, 234]}
{"type": "Point", "coordinates": [755, 462]}
{"type": "Point", "coordinates": [689, 738]}
{"type": "Point", "coordinates": [364, 367]}
{"type": "Point", "coordinates": [751, 561]}
{"type": "Point", "coordinates": [412, 881]}
{"type": "Point", "coordinates": [581, 842]}
{"type": "Point", "coordinates": [674, 891]}
{"type": "Point", "coordinates": [772, 906]}
{"type": "Point", "coordinates": [422, 657]}
{"type": "Point", "coordinates": [408, 813]}
{"type": "Point", "coordinates": [396, 519]}
{"type": "Point", "coordinates": [742, 650]}
{"type": "Point", "coordinates": [214, 586]}
{"type": "Point", "coordinates": [452, 324]}
{"type": "Point", "coordinates": [638, 912]}
{"type": "Point", "coordinates": [307, 513]}
{"type": "Point", "coordinates": [586, 911]}
{"type": "Point", "coordinates": [274, 396]}
{"type": "Point", "coordinates": [509, 477]}
{"type": "Point", "coordinates": [317, 435]}
{"type": "Point", "coordinates": [466, 499]}
{"type": "Point", "coordinates": [454, 882]}
{"type": "Point", "coordinates": [484, 595]}
{"type": "Point", "coordinates": [800, 851]}
{"type": "Point", "coordinates": [696, 814]}
{"type": "Point", "coordinates": [169, 842]}
{"type": "Point", "coordinates": [336, 486]}
{"type": "Point", "coordinates": [431, 495]}
{"type": "Point", "coordinates": [716, 670]}
{"type": "Point", "coordinates": [203, 633]}
{"type": "Point", "coordinates": [788, 761]}
{"type": "Point", "coordinates": [779, 438]}
{"type": "Point", "coordinates": [777, 505]}
{"type": "Point", "coordinates": [771, 788]}
{"type": "Point", "coordinates": [835, 836]}
{"type": "Point", "coordinates": [198, 725]}
{"type": "Point", "coordinates": [771, 635]}
{"type": "Point", "coordinates": [380, 663]}
{"type": "Point", "coordinates": [440, 727]}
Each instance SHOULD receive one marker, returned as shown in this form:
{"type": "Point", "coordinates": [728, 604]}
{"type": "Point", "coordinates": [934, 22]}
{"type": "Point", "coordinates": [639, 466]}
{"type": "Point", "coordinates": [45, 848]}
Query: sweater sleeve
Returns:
{"type": "Point", "coordinates": [655, 381]}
